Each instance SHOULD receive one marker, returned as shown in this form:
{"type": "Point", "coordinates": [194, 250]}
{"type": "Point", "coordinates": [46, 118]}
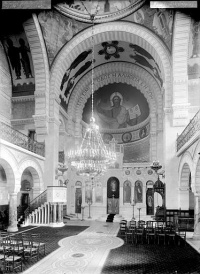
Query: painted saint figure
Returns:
{"type": "Point", "coordinates": [23, 49]}
{"type": "Point", "coordinates": [115, 117]}
{"type": "Point", "coordinates": [14, 57]}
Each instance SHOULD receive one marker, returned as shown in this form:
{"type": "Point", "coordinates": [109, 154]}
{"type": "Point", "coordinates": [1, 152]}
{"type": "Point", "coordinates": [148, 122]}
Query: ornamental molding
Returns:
{"type": "Point", "coordinates": [23, 98]}
{"type": "Point", "coordinates": [185, 106]}
{"type": "Point", "coordinates": [107, 17]}
{"type": "Point", "coordinates": [22, 121]}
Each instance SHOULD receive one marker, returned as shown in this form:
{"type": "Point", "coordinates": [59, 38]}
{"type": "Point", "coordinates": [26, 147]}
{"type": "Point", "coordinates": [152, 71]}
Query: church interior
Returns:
{"type": "Point", "coordinates": [135, 71]}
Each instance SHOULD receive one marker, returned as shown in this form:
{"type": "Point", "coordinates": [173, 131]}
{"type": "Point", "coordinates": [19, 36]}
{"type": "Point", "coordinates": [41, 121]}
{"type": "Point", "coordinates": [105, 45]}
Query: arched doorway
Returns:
{"type": "Point", "coordinates": [113, 196]}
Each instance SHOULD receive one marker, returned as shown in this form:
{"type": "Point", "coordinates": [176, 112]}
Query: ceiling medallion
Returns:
{"type": "Point", "coordinates": [108, 10]}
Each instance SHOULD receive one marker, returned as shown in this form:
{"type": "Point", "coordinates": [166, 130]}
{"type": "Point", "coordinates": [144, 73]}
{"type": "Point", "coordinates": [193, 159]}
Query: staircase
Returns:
{"type": "Point", "coordinates": [43, 212]}
{"type": "Point", "coordinates": [110, 218]}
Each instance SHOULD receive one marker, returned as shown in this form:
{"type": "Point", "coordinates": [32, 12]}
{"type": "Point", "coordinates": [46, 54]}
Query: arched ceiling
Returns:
{"type": "Point", "coordinates": [105, 10]}
{"type": "Point", "coordinates": [113, 45]}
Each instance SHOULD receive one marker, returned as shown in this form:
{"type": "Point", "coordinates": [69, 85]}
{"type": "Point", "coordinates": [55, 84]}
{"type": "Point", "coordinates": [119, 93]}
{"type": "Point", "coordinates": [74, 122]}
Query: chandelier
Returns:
{"type": "Point", "coordinates": [93, 157]}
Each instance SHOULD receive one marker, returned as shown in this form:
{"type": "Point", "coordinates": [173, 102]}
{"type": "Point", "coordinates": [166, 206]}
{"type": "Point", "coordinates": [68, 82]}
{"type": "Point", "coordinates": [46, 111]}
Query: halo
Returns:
{"type": "Point", "coordinates": [116, 94]}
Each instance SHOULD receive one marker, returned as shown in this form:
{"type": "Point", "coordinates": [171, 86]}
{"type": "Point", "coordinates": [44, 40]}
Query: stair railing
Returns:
{"type": "Point", "coordinates": [36, 202]}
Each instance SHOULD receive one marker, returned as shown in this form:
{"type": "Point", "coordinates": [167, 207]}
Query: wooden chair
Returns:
{"type": "Point", "coordinates": [31, 252]}
{"type": "Point", "coordinates": [160, 234]}
{"type": "Point", "coordinates": [123, 228]}
{"type": "Point", "coordinates": [150, 235]}
{"type": "Point", "coordinates": [37, 242]}
{"type": "Point", "coordinates": [11, 261]}
{"type": "Point", "coordinates": [141, 223]}
{"type": "Point", "coordinates": [17, 245]}
{"type": "Point", "coordinates": [181, 233]}
{"type": "Point", "coordinates": [139, 235]}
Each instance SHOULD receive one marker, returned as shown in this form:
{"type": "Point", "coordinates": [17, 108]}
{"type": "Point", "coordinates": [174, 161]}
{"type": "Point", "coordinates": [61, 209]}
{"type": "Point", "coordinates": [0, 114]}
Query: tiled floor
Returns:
{"type": "Point", "coordinates": [96, 249]}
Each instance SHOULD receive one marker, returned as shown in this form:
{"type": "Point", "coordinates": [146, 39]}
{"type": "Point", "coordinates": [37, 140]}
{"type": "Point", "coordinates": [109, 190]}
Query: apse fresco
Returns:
{"type": "Point", "coordinates": [117, 106]}
{"type": "Point", "coordinates": [21, 65]}
{"type": "Point", "coordinates": [122, 113]}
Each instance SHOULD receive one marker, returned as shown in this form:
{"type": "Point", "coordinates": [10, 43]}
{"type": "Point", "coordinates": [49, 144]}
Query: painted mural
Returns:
{"type": "Point", "coordinates": [118, 109]}
{"type": "Point", "coordinates": [117, 106]}
{"type": "Point", "coordinates": [160, 21]}
{"type": "Point", "coordinates": [57, 30]}
{"type": "Point", "coordinates": [194, 67]}
{"type": "Point", "coordinates": [21, 65]}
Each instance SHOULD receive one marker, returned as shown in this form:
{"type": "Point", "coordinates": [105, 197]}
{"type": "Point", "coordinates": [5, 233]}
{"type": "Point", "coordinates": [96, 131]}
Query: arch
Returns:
{"type": "Point", "coordinates": [10, 165]}
{"type": "Point", "coordinates": [36, 171]}
{"type": "Point", "coordinates": [127, 31]}
{"type": "Point", "coordinates": [186, 166]}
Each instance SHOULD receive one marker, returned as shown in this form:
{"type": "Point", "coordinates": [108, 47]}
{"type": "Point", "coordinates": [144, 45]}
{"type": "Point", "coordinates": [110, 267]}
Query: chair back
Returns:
{"type": "Point", "coordinates": [141, 223]}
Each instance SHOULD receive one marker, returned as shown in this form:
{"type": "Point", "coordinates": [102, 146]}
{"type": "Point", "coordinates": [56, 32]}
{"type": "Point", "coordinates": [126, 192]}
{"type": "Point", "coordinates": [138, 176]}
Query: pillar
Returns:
{"type": "Point", "coordinates": [197, 217]}
{"type": "Point", "coordinates": [12, 227]}
{"type": "Point", "coordinates": [60, 219]}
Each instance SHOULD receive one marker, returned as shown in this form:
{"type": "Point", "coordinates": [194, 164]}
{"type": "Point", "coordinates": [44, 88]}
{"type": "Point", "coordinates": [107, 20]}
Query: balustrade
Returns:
{"type": "Point", "coordinates": [189, 131]}
{"type": "Point", "coordinates": [15, 137]}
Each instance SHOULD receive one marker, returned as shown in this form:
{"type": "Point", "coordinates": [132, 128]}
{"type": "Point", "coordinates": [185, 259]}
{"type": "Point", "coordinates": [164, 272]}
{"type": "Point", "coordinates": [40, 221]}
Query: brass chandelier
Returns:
{"type": "Point", "coordinates": [93, 157]}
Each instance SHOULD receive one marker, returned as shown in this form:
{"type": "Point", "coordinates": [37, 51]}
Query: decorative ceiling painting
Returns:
{"type": "Point", "coordinates": [57, 31]}
{"type": "Point", "coordinates": [110, 51]}
{"type": "Point", "coordinates": [21, 64]}
{"type": "Point", "coordinates": [106, 10]}
{"type": "Point", "coordinates": [160, 21]}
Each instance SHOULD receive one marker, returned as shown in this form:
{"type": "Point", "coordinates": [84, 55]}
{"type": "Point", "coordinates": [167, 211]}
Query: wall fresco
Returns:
{"type": "Point", "coordinates": [21, 64]}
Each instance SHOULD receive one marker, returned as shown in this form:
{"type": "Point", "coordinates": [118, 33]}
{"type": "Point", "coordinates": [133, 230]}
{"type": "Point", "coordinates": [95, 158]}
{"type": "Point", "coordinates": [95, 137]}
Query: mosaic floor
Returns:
{"type": "Point", "coordinates": [92, 247]}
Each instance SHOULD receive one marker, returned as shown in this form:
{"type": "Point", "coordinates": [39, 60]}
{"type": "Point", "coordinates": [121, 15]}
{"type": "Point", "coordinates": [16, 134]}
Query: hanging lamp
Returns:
{"type": "Point", "coordinates": [93, 157]}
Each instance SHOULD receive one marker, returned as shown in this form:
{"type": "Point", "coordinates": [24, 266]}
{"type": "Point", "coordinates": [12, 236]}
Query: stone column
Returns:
{"type": "Point", "coordinates": [197, 217]}
{"type": "Point", "coordinates": [12, 227]}
{"type": "Point", "coordinates": [60, 213]}
{"type": "Point", "coordinates": [54, 213]}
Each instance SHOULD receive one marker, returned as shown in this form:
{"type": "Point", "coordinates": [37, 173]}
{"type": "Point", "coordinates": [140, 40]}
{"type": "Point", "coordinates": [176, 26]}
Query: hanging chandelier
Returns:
{"type": "Point", "coordinates": [93, 157]}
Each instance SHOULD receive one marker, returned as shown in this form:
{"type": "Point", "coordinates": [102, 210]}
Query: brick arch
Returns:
{"type": "Point", "coordinates": [41, 70]}
{"type": "Point", "coordinates": [123, 31]}
{"type": "Point", "coordinates": [112, 73]}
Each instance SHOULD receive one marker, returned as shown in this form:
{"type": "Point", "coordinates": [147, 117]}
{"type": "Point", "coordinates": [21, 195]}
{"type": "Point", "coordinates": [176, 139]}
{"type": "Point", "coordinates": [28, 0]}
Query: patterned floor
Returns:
{"type": "Point", "coordinates": [93, 248]}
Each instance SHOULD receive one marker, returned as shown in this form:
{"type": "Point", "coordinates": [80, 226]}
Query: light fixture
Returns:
{"type": "Point", "coordinates": [93, 157]}
{"type": "Point", "coordinates": [156, 166]}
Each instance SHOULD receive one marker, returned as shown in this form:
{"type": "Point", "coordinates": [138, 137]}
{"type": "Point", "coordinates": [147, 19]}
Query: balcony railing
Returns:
{"type": "Point", "coordinates": [15, 137]}
{"type": "Point", "coordinates": [189, 131]}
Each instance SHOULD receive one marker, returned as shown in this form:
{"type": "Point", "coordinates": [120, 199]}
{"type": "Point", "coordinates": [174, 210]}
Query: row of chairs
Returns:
{"type": "Point", "coordinates": [14, 249]}
{"type": "Point", "coordinates": [151, 232]}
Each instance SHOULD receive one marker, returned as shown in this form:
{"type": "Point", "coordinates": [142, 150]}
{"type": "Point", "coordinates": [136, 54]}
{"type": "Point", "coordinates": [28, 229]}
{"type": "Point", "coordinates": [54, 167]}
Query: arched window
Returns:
{"type": "Point", "coordinates": [127, 191]}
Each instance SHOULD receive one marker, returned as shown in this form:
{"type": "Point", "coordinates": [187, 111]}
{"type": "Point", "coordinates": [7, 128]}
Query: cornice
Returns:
{"type": "Point", "coordinates": [23, 98]}
{"type": "Point", "coordinates": [22, 121]}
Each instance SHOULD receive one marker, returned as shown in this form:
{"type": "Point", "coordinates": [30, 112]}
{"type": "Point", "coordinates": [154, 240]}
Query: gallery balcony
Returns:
{"type": "Point", "coordinates": [17, 138]}
{"type": "Point", "coordinates": [189, 135]}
